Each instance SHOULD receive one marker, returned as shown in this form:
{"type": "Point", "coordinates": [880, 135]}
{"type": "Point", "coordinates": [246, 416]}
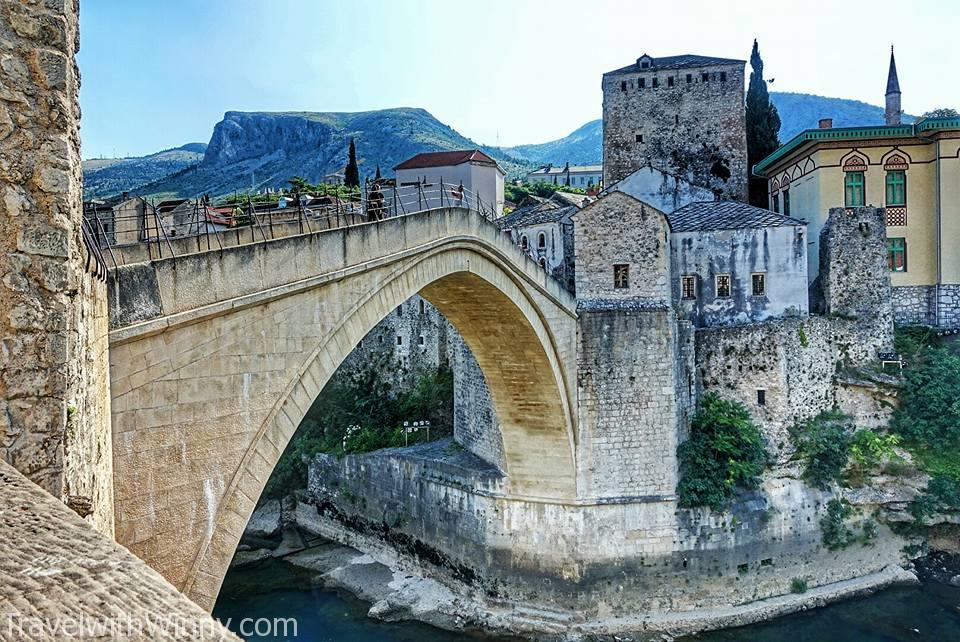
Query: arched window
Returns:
{"type": "Point", "coordinates": [543, 262]}
{"type": "Point", "coordinates": [542, 241]}
{"type": "Point", "coordinates": [854, 186]}
{"type": "Point", "coordinates": [524, 244]}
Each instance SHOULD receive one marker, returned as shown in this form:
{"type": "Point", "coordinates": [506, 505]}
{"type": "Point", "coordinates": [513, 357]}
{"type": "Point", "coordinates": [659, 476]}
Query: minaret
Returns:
{"type": "Point", "coordinates": [892, 113]}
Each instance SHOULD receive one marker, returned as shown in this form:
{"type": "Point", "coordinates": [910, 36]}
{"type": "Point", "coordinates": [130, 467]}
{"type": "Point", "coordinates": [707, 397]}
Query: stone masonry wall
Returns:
{"type": "Point", "coordinates": [914, 304]}
{"type": "Point", "coordinates": [949, 306]}
{"type": "Point", "coordinates": [854, 279]}
{"type": "Point", "coordinates": [694, 130]}
{"type": "Point", "coordinates": [475, 425]}
{"type": "Point", "coordinates": [631, 400]}
{"type": "Point", "coordinates": [587, 560]}
{"type": "Point", "coordinates": [797, 364]}
{"type": "Point", "coordinates": [53, 374]}
{"type": "Point", "coordinates": [618, 229]}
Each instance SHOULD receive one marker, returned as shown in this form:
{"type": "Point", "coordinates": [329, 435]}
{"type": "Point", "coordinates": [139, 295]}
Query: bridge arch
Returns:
{"type": "Point", "coordinates": [521, 333]}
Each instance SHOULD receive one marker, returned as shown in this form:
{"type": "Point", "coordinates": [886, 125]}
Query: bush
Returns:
{"type": "Point", "coordinates": [833, 526]}
{"type": "Point", "coordinates": [798, 585]}
{"type": "Point", "coordinates": [942, 494]}
{"type": "Point", "coordinates": [824, 441]}
{"type": "Point", "coordinates": [929, 410]}
{"type": "Point", "coordinates": [725, 452]}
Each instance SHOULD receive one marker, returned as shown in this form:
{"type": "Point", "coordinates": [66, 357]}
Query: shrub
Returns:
{"type": "Point", "coordinates": [929, 410]}
{"type": "Point", "coordinates": [869, 449]}
{"type": "Point", "coordinates": [942, 494]}
{"type": "Point", "coordinates": [725, 452]}
{"type": "Point", "coordinates": [798, 585]}
{"type": "Point", "coordinates": [836, 534]}
{"type": "Point", "coordinates": [824, 441]}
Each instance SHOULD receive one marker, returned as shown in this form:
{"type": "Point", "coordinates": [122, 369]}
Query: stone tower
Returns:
{"type": "Point", "coordinates": [892, 113]}
{"type": "Point", "coordinates": [681, 114]}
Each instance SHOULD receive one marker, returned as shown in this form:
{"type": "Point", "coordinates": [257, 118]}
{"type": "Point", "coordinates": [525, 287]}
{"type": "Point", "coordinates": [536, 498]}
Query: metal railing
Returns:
{"type": "Point", "coordinates": [159, 230]}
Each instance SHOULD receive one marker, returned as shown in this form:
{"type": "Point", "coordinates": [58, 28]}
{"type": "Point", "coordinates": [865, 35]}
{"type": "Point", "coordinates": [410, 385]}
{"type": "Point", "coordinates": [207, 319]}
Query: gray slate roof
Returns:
{"type": "Point", "coordinates": [534, 215]}
{"type": "Point", "coordinates": [725, 215]}
{"type": "Point", "coordinates": [684, 61]}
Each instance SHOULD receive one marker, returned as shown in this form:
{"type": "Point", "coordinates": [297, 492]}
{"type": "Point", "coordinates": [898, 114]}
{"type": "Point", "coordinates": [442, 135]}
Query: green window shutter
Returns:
{"type": "Point", "coordinates": [897, 254]}
{"type": "Point", "coordinates": [896, 187]}
{"type": "Point", "coordinates": [853, 190]}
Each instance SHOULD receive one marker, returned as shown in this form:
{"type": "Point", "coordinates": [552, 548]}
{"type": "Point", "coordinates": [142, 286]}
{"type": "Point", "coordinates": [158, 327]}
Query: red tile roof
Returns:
{"type": "Point", "coordinates": [446, 159]}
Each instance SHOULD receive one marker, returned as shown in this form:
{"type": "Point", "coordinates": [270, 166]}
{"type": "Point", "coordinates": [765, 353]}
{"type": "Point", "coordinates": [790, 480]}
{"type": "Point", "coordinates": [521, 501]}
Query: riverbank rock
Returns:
{"type": "Point", "coordinates": [265, 522]}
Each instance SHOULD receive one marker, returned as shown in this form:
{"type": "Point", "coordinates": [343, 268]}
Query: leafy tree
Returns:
{"type": "Point", "coordinates": [299, 185]}
{"type": "Point", "coordinates": [763, 126]}
{"type": "Point", "coordinates": [942, 112]}
{"type": "Point", "coordinates": [351, 174]}
{"type": "Point", "coordinates": [824, 442]}
{"type": "Point", "coordinates": [929, 410]}
{"type": "Point", "coordinates": [725, 452]}
{"type": "Point", "coordinates": [359, 411]}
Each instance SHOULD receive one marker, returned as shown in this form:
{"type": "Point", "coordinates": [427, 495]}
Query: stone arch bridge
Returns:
{"type": "Point", "coordinates": [216, 356]}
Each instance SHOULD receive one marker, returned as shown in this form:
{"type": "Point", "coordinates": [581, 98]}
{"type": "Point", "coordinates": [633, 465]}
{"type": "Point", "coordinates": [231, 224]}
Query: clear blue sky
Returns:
{"type": "Point", "coordinates": [160, 74]}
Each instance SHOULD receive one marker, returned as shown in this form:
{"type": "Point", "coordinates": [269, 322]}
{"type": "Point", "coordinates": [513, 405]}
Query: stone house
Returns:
{"type": "Point", "coordinates": [735, 263]}
{"type": "Point", "coordinates": [681, 114]}
{"type": "Point", "coordinates": [912, 170]}
{"type": "Point", "coordinates": [544, 230]}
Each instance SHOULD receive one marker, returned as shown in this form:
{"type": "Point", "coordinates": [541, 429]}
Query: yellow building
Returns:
{"type": "Point", "coordinates": [913, 170]}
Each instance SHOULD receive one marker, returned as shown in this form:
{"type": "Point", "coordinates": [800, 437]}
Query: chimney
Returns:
{"type": "Point", "coordinates": [826, 123]}
{"type": "Point", "coordinates": [126, 195]}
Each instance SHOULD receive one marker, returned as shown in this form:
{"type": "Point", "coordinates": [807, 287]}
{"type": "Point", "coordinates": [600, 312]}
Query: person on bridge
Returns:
{"type": "Point", "coordinates": [375, 200]}
{"type": "Point", "coordinates": [457, 193]}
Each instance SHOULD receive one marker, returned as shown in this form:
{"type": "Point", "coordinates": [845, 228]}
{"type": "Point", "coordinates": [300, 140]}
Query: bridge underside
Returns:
{"type": "Point", "coordinates": [207, 390]}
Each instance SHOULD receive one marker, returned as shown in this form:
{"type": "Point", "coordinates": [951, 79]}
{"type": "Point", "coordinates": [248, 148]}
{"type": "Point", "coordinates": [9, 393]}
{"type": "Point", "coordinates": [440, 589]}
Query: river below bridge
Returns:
{"type": "Point", "coordinates": [275, 589]}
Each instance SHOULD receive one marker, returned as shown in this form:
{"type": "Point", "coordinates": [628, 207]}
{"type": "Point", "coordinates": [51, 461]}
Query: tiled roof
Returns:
{"type": "Point", "coordinates": [446, 159]}
{"type": "Point", "coordinates": [685, 61]}
{"type": "Point", "coordinates": [725, 215]}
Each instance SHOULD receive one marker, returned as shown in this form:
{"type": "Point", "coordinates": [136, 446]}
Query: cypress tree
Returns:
{"type": "Point", "coordinates": [351, 174]}
{"type": "Point", "coordinates": [763, 127]}
{"type": "Point", "coordinates": [377, 177]}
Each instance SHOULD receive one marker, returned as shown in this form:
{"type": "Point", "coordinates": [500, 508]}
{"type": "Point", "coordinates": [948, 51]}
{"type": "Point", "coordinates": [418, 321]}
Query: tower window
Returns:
{"type": "Point", "coordinates": [542, 241]}
{"type": "Point", "coordinates": [723, 286]}
{"type": "Point", "coordinates": [423, 307]}
{"type": "Point", "coordinates": [656, 82]}
{"type": "Point", "coordinates": [400, 310]}
{"type": "Point", "coordinates": [705, 77]}
{"type": "Point", "coordinates": [853, 195]}
{"type": "Point", "coordinates": [723, 76]}
{"type": "Point", "coordinates": [621, 276]}
{"type": "Point", "coordinates": [421, 341]}
{"type": "Point", "coordinates": [688, 286]}
{"type": "Point", "coordinates": [670, 81]}
{"type": "Point", "coordinates": [759, 281]}
{"type": "Point", "coordinates": [761, 397]}
{"type": "Point", "coordinates": [524, 243]}
{"type": "Point", "coordinates": [399, 340]}
{"type": "Point", "coordinates": [897, 254]}
{"type": "Point", "coordinates": [676, 119]}
{"type": "Point", "coordinates": [642, 83]}
{"type": "Point", "coordinates": [689, 78]}
{"type": "Point", "coordinates": [623, 85]}
{"type": "Point", "coordinates": [639, 138]}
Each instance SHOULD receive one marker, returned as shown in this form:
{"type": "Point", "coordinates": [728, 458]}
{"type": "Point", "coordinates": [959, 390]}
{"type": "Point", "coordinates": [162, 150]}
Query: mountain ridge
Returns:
{"type": "Point", "coordinates": [257, 150]}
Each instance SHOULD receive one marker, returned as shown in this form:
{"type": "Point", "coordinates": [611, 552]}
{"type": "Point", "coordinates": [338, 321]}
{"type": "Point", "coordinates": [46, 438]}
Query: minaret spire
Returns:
{"type": "Point", "coordinates": [892, 112]}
